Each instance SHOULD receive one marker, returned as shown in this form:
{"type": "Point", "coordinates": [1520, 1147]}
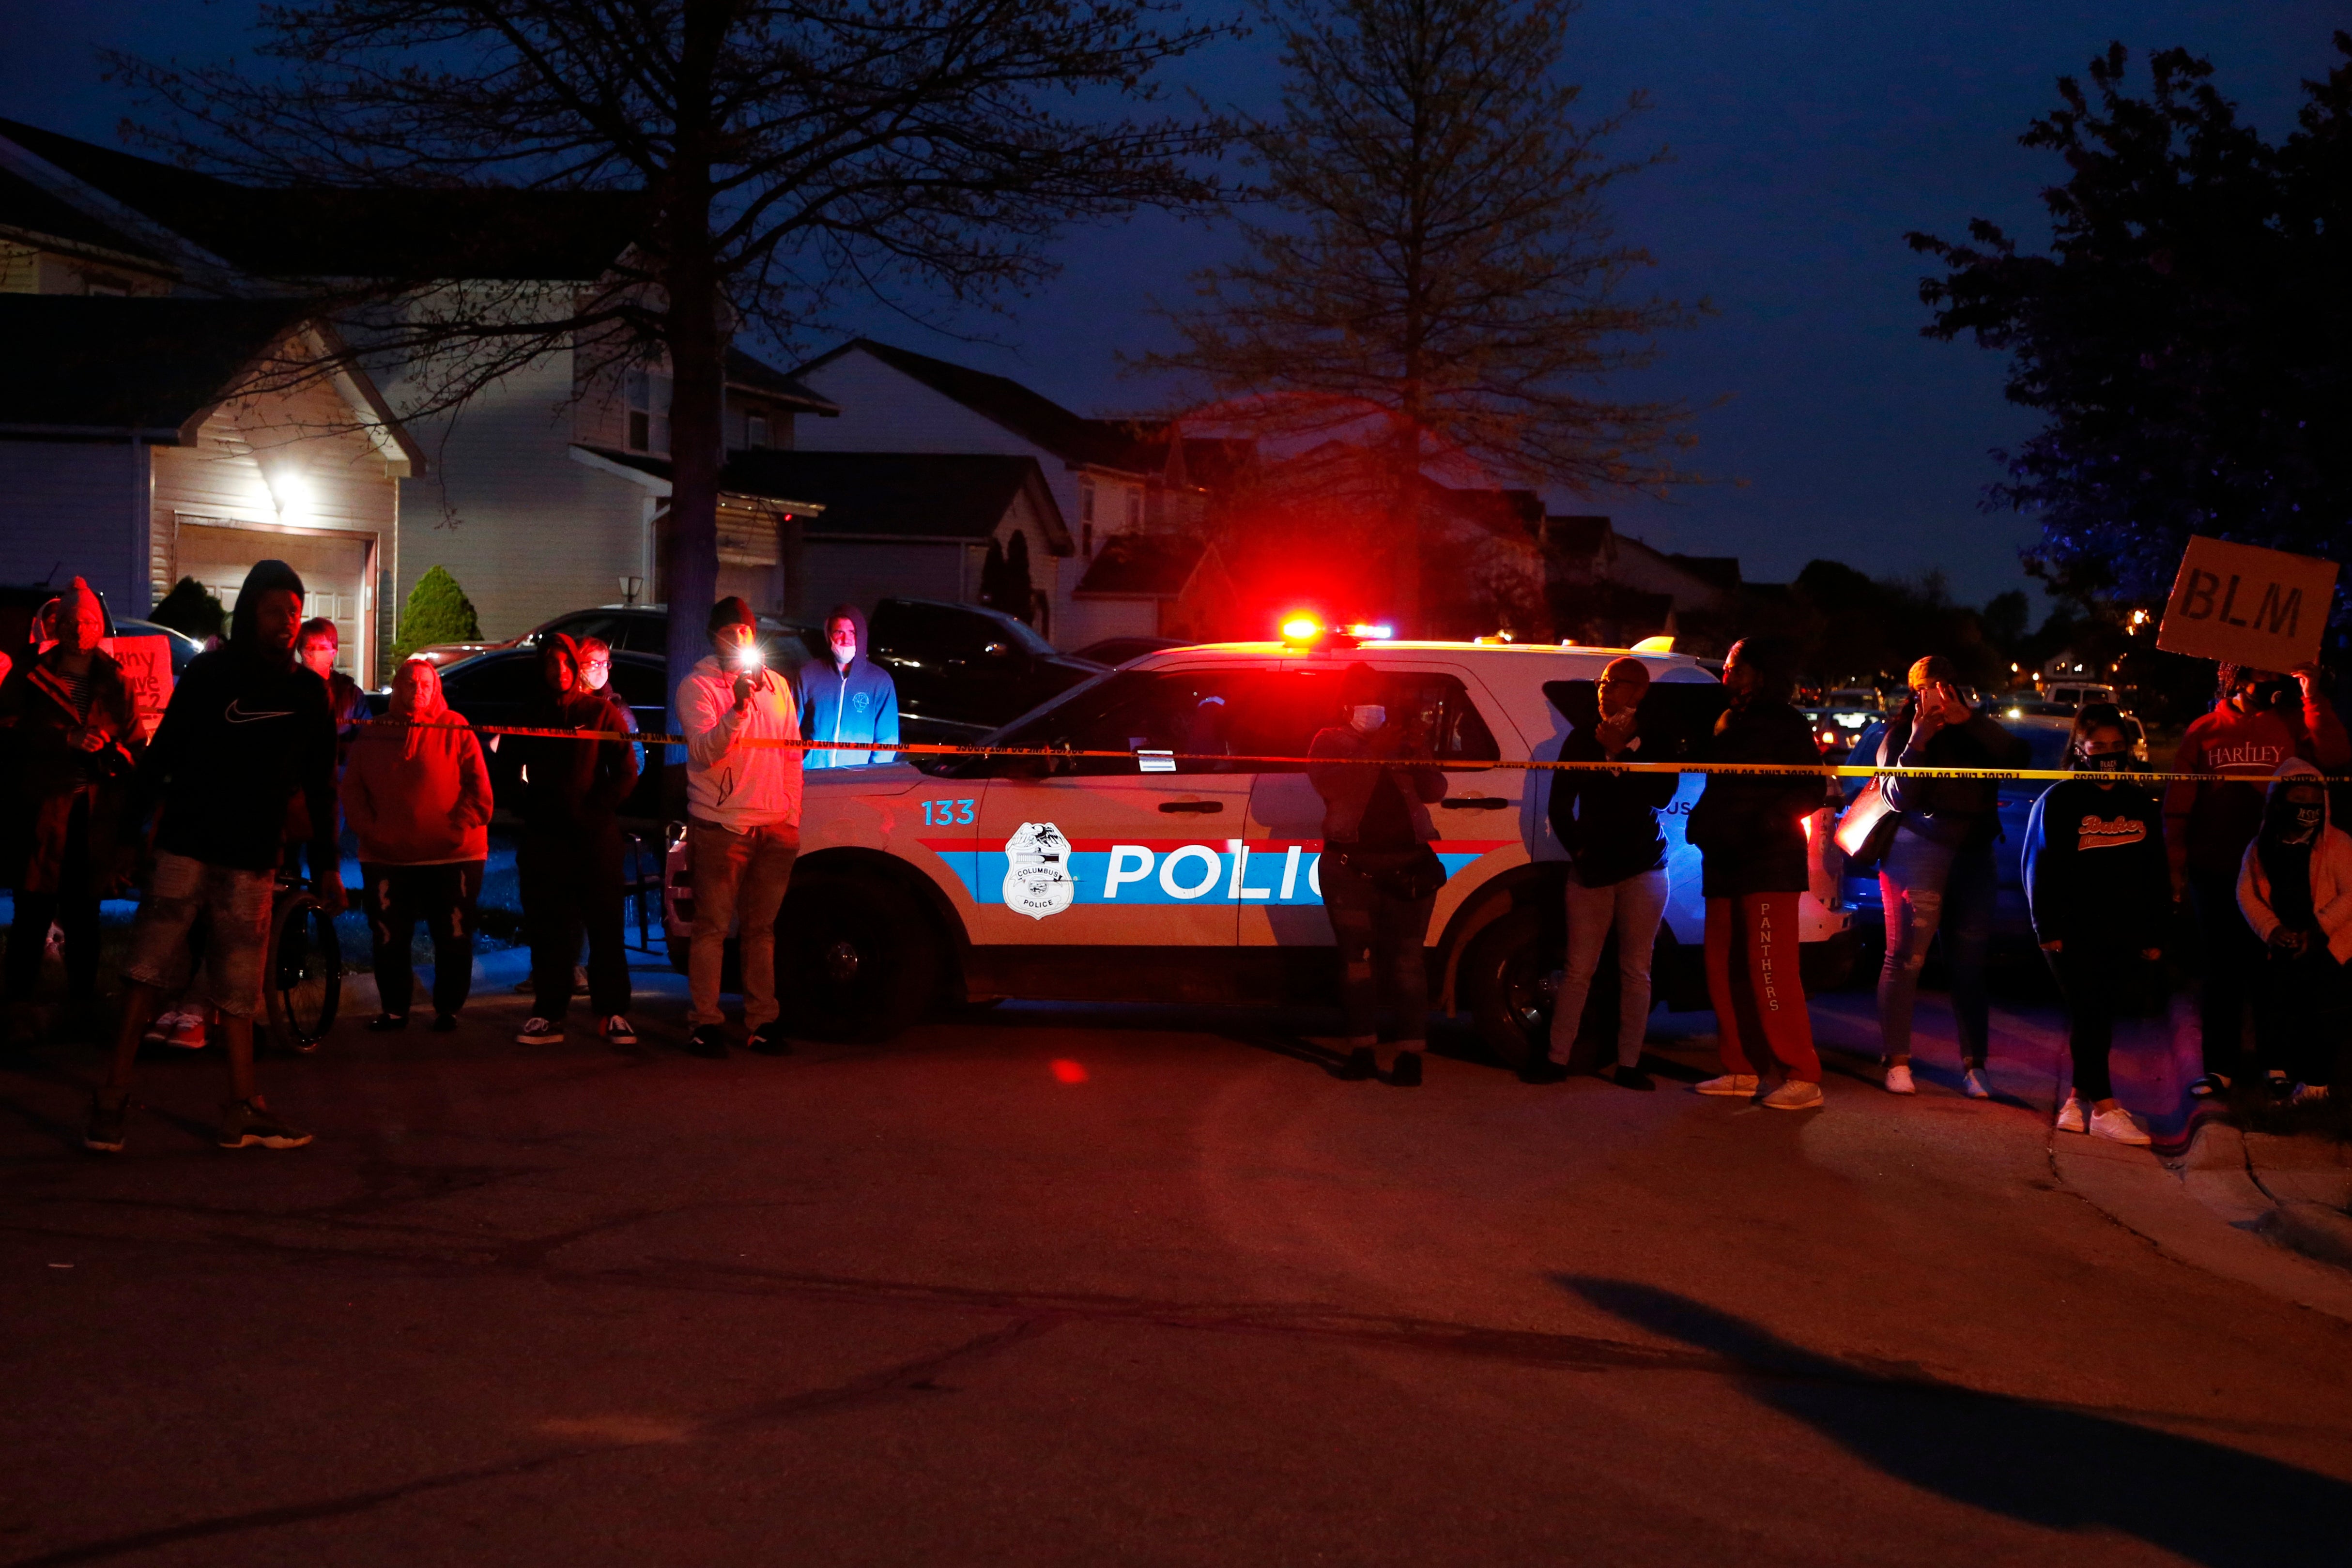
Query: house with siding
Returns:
{"type": "Point", "coordinates": [145, 439]}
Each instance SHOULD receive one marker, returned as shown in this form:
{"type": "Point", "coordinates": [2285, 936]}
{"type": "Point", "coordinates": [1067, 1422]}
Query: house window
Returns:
{"type": "Point", "coordinates": [1087, 500]}
{"type": "Point", "coordinates": [755, 431]}
{"type": "Point", "coordinates": [648, 399]}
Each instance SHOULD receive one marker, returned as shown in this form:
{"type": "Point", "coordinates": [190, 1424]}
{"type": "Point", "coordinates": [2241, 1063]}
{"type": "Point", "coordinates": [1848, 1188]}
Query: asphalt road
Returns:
{"type": "Point", "coordinates": [1076, 1286]}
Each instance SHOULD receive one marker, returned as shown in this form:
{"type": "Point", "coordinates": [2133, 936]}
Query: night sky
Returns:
{"type": "Point", "coordinates": [1806, 138]}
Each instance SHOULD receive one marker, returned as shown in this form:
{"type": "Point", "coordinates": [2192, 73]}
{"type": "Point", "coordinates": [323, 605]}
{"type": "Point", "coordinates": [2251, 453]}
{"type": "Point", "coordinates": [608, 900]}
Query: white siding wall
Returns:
{"type": "Point", "coordinates": [76, 508]}
{"type": "Point", "coordinates": [884, 411]}
{"type": "Point", "coordinates": [862, 572]}
{"type": "Point", "coordinates": [1092, 620]}
{"type": "Point", "coordinates": [528, 532]}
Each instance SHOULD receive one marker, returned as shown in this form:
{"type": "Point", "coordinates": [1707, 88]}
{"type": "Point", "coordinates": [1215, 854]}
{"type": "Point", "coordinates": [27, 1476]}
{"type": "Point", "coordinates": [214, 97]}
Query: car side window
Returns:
{"type": "Point", "coordinates": [1136, 713]}
{"type": "Point", "coordinates": [1281, 710]}
{"type": "Point", "coordinates": [1679, 715]}
{"type": "Point", "coordinates": [640, 686]}
{"type": "Point", "coordinates": [641, 633]}
{"type": "Point", "coordinates": [508, 681]}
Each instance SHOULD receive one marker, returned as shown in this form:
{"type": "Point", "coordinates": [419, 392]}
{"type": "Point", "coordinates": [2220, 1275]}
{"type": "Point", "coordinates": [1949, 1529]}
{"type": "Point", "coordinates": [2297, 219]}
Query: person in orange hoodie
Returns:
{"type": "Point", "coordinates": [2255, 726]}
{"type": "Point", "coordinates": [417, 793]}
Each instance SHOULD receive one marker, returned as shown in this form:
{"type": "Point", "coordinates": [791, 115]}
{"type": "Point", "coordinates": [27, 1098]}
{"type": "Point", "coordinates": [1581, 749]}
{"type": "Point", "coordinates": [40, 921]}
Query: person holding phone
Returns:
{"type": "Point", "coordinates": [1938, 872]}
{"type": "Point", "coordinates": [1608, 822]}
{"type": "Point", "coordinates": [743, 824]}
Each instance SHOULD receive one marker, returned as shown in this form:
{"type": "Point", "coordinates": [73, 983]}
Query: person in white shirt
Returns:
{"type": "Point", "coordinates": [743, 816]}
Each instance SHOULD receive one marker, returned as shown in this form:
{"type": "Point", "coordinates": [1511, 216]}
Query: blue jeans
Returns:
{"type": "Point", "coordinates": [1929, 887]}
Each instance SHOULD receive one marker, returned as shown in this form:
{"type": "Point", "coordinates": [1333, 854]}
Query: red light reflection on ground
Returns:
{"type": "Point", "coordinates": [1068, 1072]}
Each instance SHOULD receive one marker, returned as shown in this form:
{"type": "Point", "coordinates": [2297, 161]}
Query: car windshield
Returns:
{"type": "Point", "coordinates": [956, 767]}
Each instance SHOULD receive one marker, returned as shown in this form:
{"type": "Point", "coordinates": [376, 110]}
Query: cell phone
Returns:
{"type": "Point", "coordinates": [749, 657]}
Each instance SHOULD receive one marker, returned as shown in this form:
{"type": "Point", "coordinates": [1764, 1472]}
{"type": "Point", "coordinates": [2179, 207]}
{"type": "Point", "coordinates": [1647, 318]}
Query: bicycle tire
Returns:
{"type": "Point", "coordinates": [303, 984]}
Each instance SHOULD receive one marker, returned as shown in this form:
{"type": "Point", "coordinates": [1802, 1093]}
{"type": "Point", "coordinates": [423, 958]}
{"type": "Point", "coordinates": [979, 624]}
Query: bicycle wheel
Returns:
{"type": "Point", "coordinates": [303, 984]}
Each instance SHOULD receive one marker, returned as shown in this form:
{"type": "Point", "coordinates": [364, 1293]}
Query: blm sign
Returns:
{"type": "Point", "coordinates": [2242, 604]}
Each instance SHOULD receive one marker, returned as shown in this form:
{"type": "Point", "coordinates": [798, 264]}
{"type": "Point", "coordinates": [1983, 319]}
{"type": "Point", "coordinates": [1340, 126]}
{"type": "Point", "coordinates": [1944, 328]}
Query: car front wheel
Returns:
{"type": "Point", "coordinates": [856, 958]}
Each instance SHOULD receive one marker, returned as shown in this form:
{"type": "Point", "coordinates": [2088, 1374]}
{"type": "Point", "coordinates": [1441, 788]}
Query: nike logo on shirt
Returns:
{"type": "Point", "coordinates": [235, 714]}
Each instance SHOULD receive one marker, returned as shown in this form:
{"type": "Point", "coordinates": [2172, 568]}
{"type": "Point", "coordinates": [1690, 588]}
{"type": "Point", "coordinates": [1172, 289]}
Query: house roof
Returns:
{"type": "Point", "coordinates": [1577, 536]}
{"type": "Point", "coordinates": [886, 494]}
{"type": "Point", "coordinates": [1142, 566]}
{"type": "Point", "coordinates": [321, 231]}
{"type": "Point", "coordinates": [1097, 442]}
{"type": "Point", "coordinates": [757, 375]}
{"type": "Point", "coordinates": [101, 365]}
{"type": "Point", "coordinates": [32, 211]}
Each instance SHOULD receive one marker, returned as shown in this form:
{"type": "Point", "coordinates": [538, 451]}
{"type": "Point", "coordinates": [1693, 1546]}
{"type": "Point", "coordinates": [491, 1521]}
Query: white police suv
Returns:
{"type": "Point", "coordinates": [1174, 870]}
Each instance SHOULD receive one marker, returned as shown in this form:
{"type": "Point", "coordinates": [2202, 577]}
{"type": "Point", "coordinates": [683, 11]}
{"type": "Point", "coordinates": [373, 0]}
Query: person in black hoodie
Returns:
{"type": "Point", "coordinates": [1748, 831]}
{"type": "Point", "coordinates": [1608, 822]}
{"type": "Point", "coordinates": [247, 727]}
{"type": "Point", "coordinates": [2097, 882]}
{"type": "Point", "coordinates": [1937, 872]}
{"type": "Point", "coordinates": [570, 858]}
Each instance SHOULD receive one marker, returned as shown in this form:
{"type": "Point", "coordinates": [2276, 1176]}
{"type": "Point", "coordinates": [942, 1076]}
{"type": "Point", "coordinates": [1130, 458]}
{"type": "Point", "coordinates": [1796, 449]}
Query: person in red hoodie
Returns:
{"type": "Point", "coordinates": [417, 794]}
{"type": "Point", "coordinates": [2255, 726]}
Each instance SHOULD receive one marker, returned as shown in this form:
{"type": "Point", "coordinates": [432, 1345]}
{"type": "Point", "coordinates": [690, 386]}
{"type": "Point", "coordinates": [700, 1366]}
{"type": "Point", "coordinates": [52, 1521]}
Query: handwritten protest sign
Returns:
{"type": "Point", "coordinates": [2245, 605]}
{"type": "Point", "coordinates": [147, 670]}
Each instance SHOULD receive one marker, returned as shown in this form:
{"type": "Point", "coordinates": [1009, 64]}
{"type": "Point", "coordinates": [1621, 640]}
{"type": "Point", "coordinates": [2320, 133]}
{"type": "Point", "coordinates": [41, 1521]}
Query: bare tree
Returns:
{"type": "Point", "coordinates": [766, 155]}
{"type": "Point", "coordinates": [1437, 271]}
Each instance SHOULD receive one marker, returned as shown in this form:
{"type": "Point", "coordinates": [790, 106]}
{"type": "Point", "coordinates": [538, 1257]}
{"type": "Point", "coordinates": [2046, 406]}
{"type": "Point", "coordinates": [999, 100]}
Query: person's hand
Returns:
{"type": "Point", "coordinates": [1614, 731]}
{"type": "Point", "coordinates": [2055, 946]}
{"type": "Point", "coordinates": [2151, 953]}
{"type": "Point", "coordinates": [88, 739]}
{"type": "Point", "coordinates": [329, 893]}
{"type": "Point", "coordinates": [742, 693]}
{"type": "Point", "coordinates": [2306, 675]}
{"type": "Point", "coordinates": [2288, 942]}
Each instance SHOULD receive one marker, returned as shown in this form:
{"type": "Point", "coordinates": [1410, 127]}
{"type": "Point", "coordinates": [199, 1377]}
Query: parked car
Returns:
{"type": "Point", "coordinates": [1137, 877]}
{"type": "Point", "coordinates": [1858, 699]}
{"type": "Point", "coordinates": [638, 629]}
{"type": "Point", "coordinates": [962, 670]}
{"type": "Point", "coordinates": [1113, 652]}
{"type": "Point", "coordinates": [183, 647]}
{"type": "Point", "coordinates": [2045, 738]}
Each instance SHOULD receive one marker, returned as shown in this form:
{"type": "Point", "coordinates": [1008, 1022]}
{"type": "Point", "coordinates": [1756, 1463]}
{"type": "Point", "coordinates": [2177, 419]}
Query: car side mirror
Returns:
{"type": "Point", "coordinates": [997, 650]}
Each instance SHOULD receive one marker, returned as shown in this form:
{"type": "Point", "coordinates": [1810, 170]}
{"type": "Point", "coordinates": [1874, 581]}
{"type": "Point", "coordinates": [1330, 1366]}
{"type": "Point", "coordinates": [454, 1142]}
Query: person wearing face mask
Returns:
{"type": "Point", "coordinates": [596, 675]}
{"type": "Point", "coordinates": [417, 793]}
{"type": "Point", "coordinates": [1378, 875]}
{"type": "Point", "coordinates": [317, 646]}
{"type": "Point", "coordinates": [1748, 828]}
{"type": "Point", "coordinates": [570, 858]}
{"type": "Point", "coordinates": [1608, 822]}
{"type": "Point", "coordinates": [847, 698]}
{"type": "Point", "coordinates": [2097, 886]}
{"type": "Point", "coordinates": [247, 726]}
{"type": "Point", "coordinates": [77, 728]}
{"type": "Point", "coordinates": [2256, 725]}
{"type": "Point", "coordinates": [1938, 874]}
{"type": "Point", "coordinates": [2294, 888]}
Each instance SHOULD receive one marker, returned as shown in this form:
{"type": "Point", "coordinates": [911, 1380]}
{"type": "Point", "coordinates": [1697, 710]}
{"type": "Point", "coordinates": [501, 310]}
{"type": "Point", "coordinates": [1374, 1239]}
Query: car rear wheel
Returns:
{"type": "Point", "coordinates": [856, 958]}
{"type": "Point", "coordinates": [1509, 977]}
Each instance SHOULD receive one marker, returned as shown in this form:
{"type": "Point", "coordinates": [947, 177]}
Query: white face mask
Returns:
{"type": "Point", "coordinates": [1367, 718]}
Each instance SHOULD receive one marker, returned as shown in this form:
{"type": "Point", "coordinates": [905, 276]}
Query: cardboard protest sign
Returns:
{"type": "Point", "coordinates": [2242, 604]}
{"type": "Point", "coordinates": [147, 670]}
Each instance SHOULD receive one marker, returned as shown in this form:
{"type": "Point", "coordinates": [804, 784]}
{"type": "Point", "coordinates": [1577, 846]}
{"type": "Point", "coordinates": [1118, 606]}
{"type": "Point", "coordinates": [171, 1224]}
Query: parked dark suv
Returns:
{"type": "Point", "coordinates": [636, 629]}
{"type": "Point", "coordinates": [962, 670]}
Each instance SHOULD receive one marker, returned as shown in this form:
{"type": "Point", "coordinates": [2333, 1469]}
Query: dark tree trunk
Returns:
{"type": "Point", "coordinates": [697, 346]}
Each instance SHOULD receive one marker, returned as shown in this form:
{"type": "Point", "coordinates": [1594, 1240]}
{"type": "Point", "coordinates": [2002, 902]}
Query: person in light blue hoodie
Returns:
{"type": "Point", "coordinates": [847, 698]}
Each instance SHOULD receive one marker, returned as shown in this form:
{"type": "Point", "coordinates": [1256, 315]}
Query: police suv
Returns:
{"type": "Point", "coordinates": [1179, 870]}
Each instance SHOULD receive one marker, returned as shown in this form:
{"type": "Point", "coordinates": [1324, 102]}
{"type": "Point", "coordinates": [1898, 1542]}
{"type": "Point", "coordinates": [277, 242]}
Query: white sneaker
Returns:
{"type": "Point", "coordinates": [2119, 1126]}
{"type": "Point", "coordinates": [2308, 1095]}
{"type": "Point", "coordinates": [1794, 1095]}
{"type": "Point", "coordinates": [2070, 1116]}
{"type": "Point", "coordinates": [1740, 1084]}
{"type": "Point", "coordinates": [1898, 1079]}
{"type": "Point", "coordinates": [1973, 1084]}
{"type": "Point", "coordinates": [540, 1031]}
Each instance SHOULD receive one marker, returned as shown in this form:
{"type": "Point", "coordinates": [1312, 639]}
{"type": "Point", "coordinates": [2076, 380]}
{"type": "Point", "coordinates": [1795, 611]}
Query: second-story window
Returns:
{"type": "Point", "coordinates": [755, 431]}
{"type": "Point", "coordinates": [648, 399]}
{"type": "Point", "coordinates": [1086, 500]}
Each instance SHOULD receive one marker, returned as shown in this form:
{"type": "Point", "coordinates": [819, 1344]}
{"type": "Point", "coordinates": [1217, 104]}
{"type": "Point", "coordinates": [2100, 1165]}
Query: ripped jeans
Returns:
{"type": "Point", "coordinates": [396, 897]}
{"type": "Point", "coordinates": [1930, 887]}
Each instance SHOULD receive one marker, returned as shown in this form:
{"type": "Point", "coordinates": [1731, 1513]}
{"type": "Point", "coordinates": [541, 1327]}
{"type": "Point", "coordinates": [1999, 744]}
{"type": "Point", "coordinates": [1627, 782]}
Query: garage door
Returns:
{"type": "Point", "coordinates": [335, 570]}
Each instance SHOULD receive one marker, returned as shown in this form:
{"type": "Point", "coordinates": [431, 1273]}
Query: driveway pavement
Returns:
{"type": "Point", "coordinates": [1063, 1284]}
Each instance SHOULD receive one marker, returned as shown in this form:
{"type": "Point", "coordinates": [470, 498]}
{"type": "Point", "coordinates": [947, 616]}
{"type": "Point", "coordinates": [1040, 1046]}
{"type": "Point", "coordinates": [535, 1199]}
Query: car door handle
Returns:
{"type": "Point", "coordinates": [1473, 803]}
{"type": "Point", "coordinates": [1206, 808]}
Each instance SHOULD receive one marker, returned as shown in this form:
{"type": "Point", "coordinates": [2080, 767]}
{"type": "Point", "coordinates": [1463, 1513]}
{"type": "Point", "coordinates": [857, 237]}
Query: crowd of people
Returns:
{"type": "Point", "coordinates": [266, 752]}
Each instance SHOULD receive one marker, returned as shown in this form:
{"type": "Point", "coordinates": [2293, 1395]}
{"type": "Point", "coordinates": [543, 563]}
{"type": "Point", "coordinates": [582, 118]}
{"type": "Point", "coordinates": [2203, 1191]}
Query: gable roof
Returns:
{"type": "Point", "coordinates": [757, 375]}
{"type": "Point", "coordinates": [1142, 566]}
{"type": "Point", "coordinates": [884, 495]}
{"type": "Point", "coordinates": [1074, 438]}
{"type": "Point", "coordinates": [494, 233]}
{"type": "Point", "coordinates": [35, 213]}
{"type": "Point", "coordinates": [72, 363]}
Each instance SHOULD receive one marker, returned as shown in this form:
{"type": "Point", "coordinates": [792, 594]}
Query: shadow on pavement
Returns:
{"type": "Point", "coordinates": [2045, 1465]}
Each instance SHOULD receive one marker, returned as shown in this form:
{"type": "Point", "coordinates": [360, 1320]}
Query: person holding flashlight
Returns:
{"type": "Point", "coordinates": [743, 824]}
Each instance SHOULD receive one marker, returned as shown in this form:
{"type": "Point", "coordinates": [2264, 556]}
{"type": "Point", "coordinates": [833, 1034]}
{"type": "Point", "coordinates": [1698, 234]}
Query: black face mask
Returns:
{"type": "Point", "coordinates": [2102, 761]}
{"type": "Point", "coordinates": [2305, 817]}
{"type": "Point", "coordinates": [2267, 696]}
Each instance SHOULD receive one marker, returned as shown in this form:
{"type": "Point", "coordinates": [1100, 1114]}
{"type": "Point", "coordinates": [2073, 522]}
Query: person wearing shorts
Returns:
{"type": "Point", "coordinates": [247, 727]}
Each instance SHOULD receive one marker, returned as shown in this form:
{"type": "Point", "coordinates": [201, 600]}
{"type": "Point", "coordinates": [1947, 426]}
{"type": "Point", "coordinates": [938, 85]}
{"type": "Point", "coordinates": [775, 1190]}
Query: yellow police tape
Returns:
{"type": "Point", "coordinates": [1775, 769]}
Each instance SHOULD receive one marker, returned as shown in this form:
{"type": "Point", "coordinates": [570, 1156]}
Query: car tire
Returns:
{"type": "Point", "coordinates": [1507, 979]}
{"type": "Point", "coordinates": [856, 958]}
